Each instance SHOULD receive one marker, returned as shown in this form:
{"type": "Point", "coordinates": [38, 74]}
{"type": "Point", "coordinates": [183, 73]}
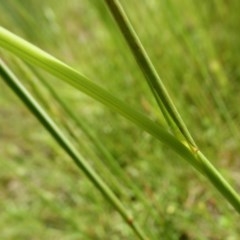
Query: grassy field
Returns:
{"type": "Point", "coordinates": [194, 46]}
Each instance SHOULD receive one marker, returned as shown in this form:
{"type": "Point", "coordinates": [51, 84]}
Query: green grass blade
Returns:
{"type": "Point", "coordinates": [34, 55]}
{"type": "Point", "coordinates": [108, 161]}
{"type": "Point", "coordinates": [215, 177]}
{"type": "Point", "coordinates": [46, 121]}
{"type": "Point", "coordinates": [156, 85]}
{"type": "Point", "coordinates": [159, 91]}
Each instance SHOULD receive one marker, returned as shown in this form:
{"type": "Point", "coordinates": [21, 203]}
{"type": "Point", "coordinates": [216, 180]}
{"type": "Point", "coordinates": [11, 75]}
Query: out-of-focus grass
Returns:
{"type": "Point", "coordinates": [194, 48]}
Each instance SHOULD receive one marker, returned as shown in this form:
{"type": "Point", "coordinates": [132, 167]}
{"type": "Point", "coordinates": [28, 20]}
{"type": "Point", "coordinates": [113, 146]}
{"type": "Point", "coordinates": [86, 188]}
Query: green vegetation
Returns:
{"type": "Point", "coordinates": [44, 192]}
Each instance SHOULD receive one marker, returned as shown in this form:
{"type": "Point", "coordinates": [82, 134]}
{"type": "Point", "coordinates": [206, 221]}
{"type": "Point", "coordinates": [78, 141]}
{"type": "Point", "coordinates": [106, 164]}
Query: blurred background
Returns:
{"type": "Point", "coordinates": [195, 47]}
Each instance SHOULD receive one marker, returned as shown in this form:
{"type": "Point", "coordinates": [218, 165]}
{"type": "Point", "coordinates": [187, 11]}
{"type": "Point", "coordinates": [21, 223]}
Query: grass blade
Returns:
{"type": "Point", "coordinates": [46, 121]}
{"type": "Point", "coordinates": [156, 85]}
{"type": "Point", "coordinates": [34, 55]}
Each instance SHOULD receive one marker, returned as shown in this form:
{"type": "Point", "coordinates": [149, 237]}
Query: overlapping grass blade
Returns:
{"type": "Point", "coordinates": [35, 56]}
{"type": "Point", "coordinates": [161, 94]}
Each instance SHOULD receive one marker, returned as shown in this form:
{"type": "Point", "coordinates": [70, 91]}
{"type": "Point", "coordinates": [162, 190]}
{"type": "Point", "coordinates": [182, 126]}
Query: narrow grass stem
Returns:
{"type": "Point", "coordinates": [12, 81]}
{"type": "Point", "coordinates": [111, 163]}
{"type": "Point", "coordinates": [145, 64]}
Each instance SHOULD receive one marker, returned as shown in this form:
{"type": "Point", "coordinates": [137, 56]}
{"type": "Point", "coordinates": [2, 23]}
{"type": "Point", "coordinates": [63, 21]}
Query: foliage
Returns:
{"type": "Point", "coordinates": [191, 58]}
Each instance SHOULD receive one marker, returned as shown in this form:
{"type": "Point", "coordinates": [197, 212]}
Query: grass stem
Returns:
{"type": "Point", "coordinates": [12, 81]}
{"type": "Point", "coordinates": [156, 85]}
